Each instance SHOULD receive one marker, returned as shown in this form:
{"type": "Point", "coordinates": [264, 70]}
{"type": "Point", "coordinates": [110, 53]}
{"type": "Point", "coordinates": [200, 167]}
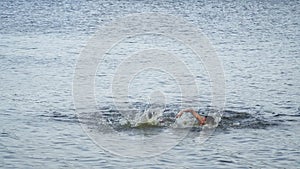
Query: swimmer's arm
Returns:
{"type": "Point", "coordinates": [194, 113]}
{"type": "Point", "coordinates": [183, 111]}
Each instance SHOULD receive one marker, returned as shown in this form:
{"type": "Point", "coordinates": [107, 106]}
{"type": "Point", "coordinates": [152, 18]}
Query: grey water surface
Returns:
{"type": "Point", "coordinates": [256, 41]}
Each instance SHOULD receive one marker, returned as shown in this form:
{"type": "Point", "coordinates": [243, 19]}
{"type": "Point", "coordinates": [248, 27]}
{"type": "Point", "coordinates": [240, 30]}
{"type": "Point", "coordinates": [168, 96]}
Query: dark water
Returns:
{"type": "Point", "coordinates": [257, 42]}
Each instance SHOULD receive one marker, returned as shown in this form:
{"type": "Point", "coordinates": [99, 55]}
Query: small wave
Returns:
{"type": "Point", "coordinates": [148, 118]}
{"type": "Point", "coordinates": [59, 116]}
{"type": "Point", "coordinates": [241, 120]}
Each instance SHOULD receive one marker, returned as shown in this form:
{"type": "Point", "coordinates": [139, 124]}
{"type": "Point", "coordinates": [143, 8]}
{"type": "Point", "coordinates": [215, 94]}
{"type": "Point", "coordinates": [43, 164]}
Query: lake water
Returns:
{"type": "Point", "coordinates": [257, 44]}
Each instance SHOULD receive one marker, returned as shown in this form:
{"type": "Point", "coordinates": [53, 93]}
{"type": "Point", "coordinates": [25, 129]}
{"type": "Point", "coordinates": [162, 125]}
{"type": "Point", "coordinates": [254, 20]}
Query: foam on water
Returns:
{"type": "Point", "coordinates": [148, 118]}
{"type": "Point", "coordinates": [162, 118]}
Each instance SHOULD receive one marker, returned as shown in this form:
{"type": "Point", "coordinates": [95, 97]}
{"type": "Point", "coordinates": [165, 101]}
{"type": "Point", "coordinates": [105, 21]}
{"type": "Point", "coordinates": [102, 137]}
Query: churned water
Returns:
{"type": "Point", "coordinates": [256, 42]}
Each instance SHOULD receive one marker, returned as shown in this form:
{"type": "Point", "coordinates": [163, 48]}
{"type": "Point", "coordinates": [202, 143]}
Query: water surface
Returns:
{"type": "Point", "coordinates": [257, 42]}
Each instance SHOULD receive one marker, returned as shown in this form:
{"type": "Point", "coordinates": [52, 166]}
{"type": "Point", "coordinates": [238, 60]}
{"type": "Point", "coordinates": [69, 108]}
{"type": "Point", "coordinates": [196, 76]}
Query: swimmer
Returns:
{"type": "Point", "coordinates": [201, 119]}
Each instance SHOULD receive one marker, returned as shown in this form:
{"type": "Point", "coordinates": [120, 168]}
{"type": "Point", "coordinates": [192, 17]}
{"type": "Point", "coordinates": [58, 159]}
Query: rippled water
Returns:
{"type": "Point", "coordinates": [257, 42]}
